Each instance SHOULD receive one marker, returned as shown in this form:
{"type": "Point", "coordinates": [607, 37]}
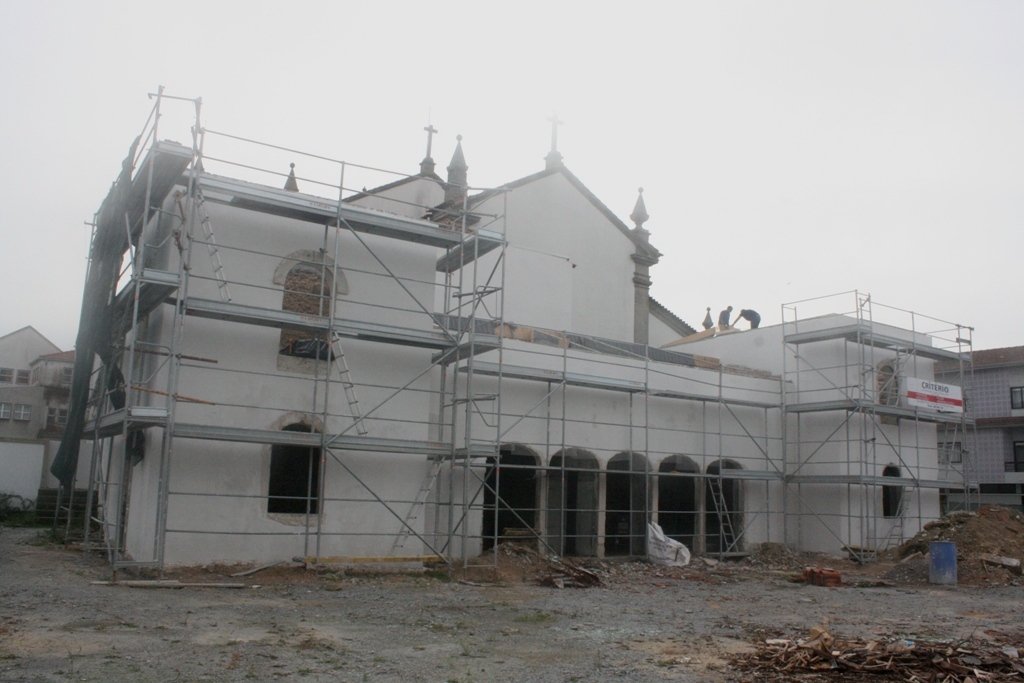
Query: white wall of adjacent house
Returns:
{"type": "Point", "coordinates": [19, 348]}
{"type": "Point", "coordinates": [20, 466]}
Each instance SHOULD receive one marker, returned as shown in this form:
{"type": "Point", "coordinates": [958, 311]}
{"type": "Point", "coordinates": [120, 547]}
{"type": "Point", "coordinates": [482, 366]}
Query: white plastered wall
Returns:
{"type": "Point", "coordinates": [217, 506]}
{"type": "Point", "coordinates": [566, 267]}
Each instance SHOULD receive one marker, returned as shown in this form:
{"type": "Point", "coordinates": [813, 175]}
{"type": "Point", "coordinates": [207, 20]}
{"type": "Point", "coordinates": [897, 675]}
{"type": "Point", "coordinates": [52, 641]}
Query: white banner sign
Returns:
{"type": "Point", "coordinates": [943, 398]}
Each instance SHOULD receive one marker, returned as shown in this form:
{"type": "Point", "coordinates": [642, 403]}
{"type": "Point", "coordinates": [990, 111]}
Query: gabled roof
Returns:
{"type": "Point", "coordinates": [29, 328]}
{"type": "Point", "coordinates": [392, 185]}
{"type": "Point", "coordinates": [646, 247]}
{"type": "Point", "coordinates": [659, 311]}
{"type": "Point", "coordinates": [62, 357]}
{"type": "Point", "coordinates": [1008, 355]}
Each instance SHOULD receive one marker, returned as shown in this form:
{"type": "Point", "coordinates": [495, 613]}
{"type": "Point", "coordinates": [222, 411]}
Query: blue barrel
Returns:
{"type": "Point", "coordinates": [942, 563]}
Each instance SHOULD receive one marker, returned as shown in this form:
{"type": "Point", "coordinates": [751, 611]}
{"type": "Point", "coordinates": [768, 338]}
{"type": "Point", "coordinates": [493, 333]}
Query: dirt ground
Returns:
{"type": "Point", "coordinates": [646, 623]}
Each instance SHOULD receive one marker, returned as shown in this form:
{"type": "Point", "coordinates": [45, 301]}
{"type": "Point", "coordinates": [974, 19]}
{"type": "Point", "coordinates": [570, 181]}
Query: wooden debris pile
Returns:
{"type": "Point", "coordinates": [555, 571]}
{"type": "Point", "coordinates": [564, 574]}
{"type": "Point", "coordinates": [971, 661]}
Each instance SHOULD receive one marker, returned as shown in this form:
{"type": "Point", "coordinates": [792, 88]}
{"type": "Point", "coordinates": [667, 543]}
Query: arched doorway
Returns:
{"type": "Point", "coordinates": [677, 498]}
{"type": "Point", "coordinates": [510, 493]}
{"type": "Point", "coordinates": [572, 502]}
{"type": "Point", "coordinates": [723, 508]}
{"type": "Point", "coordinates": [294, 477]}
{"type": "Point", "coordinates": [626, 502]}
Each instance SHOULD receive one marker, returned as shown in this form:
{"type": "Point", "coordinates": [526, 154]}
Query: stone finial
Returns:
{"type": "Point", "coordinates": [291, 184]}
{"type": "Point", "coordinates": [457, 184]}
{"type": "Point", "coordinates": [639, 215]}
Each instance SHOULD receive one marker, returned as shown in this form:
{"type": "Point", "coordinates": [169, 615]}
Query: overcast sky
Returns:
{"type": "Point", "coordinates": [787, 149]}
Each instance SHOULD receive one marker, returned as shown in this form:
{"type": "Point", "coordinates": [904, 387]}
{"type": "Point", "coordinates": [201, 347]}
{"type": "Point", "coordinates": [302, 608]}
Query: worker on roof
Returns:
{"type": "Point", "coordinates": [751, 316]}
{"type": "Point", "coordinates": [723, 318]}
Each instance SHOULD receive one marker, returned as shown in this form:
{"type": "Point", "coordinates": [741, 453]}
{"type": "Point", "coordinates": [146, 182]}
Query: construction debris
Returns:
{"type": "Point", "coordinates": [1008, 562]}
{"type": "Point", "coordinates": [254, 570]}
{"type": "Point", "coordinates": [169, 583]}
{"type": "Point", "coordinates": [817, 576]}
{"type": "Point", "coordinates": [565, 574]}
{"type": "Point", "coordinates": [981, 537]}
{"type": "Point", "coordinates": [519, 563]}
{"type": "Point", "coordinates": [780, 659]}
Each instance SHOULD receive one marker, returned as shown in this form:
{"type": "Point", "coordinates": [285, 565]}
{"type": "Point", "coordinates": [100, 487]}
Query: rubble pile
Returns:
{"type": "Point", "coordinates": [832, 658]}
{"type": "Point", "coordinates": [776, 556]}
{"type": "Point", "coordinates": [518, 563]}
{"type": "Point", "coordinates": [989, 547]}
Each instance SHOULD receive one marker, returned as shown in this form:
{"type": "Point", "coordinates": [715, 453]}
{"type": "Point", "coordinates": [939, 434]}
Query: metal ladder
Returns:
{"type": "Point", "coordinates": [896, 532]}
{"type": "Point", "coordinates": [211, 245]}
{"type": "Point", "coordinates": [347, 384]}
{"type": "Point", "coordinates": [417, 505]}
{"type": "Point", "coordinates": [725, 530]}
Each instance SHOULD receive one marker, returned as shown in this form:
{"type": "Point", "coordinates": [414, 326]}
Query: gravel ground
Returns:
{"type": "Point", "coordinates": [648, 624]}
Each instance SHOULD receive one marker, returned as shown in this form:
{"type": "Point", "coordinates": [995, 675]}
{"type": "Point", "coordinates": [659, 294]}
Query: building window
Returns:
{"type": "Point", "coordinates": [22, 377]}
{"type": "Point", "coordinates": [35, 375]}
{"type": "Point", "coordinates": [307, 290]}
{"type": "Point", "coordinates": [22, 412]}
{"type": "Point", "coordinates": [56, 417]}
{"type": "Point", "coordinates": [950, 452]}
{"type": "Point", "coordinates": [1017, 398]}
{"type": "Point", "coordinates": [892, 496]}
{"type": "Point", "coordinates": [67, 373]}
{"type": "Point", "coordinates": [1018, 458]}
{"type": "Point", "coordinates": [294, 477]}
{"type": "Point", "coordinates": [6, 376]}
{"type": "Point", "coordinates": [5, 411]}
{"type": "Point", "coordinates": [888, 382]}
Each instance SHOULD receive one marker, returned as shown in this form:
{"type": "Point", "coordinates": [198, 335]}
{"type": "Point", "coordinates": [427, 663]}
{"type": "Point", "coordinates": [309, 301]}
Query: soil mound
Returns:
{"type": "Point", "coordinates": [991, 530]}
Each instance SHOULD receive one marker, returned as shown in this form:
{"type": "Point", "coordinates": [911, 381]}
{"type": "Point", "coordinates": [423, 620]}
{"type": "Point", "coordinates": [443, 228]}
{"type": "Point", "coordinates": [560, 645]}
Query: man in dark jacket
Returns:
{"type": "Point", "coordinates": [750, 316]}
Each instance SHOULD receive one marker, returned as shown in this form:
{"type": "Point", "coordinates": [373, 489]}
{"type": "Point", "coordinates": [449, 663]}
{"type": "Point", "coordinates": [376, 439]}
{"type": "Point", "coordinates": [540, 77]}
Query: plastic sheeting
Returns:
{"type": "Point", "coordinates": [664, 550]}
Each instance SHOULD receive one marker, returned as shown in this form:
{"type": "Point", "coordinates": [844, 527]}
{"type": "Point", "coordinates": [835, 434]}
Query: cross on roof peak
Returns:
{"type": "Point", "coordinates": [554, 157]}
{"type": "Point", "coordinates": [430, 136]}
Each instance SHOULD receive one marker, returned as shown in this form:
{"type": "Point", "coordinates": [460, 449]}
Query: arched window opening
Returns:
{"type": "Point", "coordinates": [888, 382]}
{"type": "Point", "coordinates": [294, 477]}
{"type": "Point", "coordinates": [677, 498]}
{"type": "Point", "coordinates": [510, 495]}
{"type": "Point", "coordinates": [724, 508]}
{"type": "Point", "coordinates": [626, 501]}
{"type": "Point", "coordinates": [572, 502]}
{"type": "Point", "coordinates": [892, 496]}
{"type": "Point", "coordinates": [307, 290]}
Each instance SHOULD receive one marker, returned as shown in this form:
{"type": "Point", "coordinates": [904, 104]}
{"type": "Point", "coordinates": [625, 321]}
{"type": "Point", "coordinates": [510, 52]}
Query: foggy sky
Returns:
{"type": "Point", "coordinates": [787, 149]}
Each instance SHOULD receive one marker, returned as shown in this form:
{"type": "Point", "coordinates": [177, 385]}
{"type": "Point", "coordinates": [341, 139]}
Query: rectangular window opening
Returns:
{"type": "Point", "coordinates": [22, 412]}
{"type": "Point", "coordinates": [1017, 398]}
{"type": "Point", "coordinates": [1018, 458]}
{"type": "Point", "coordinates": [950, 453]}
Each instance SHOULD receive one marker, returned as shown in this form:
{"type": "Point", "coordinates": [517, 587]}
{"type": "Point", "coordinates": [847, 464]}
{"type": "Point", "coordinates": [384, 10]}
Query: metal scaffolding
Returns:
{"type": "Point", "coordinates": [847, 409]}
{"type": "Point", "coordinates": [511, 447]}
